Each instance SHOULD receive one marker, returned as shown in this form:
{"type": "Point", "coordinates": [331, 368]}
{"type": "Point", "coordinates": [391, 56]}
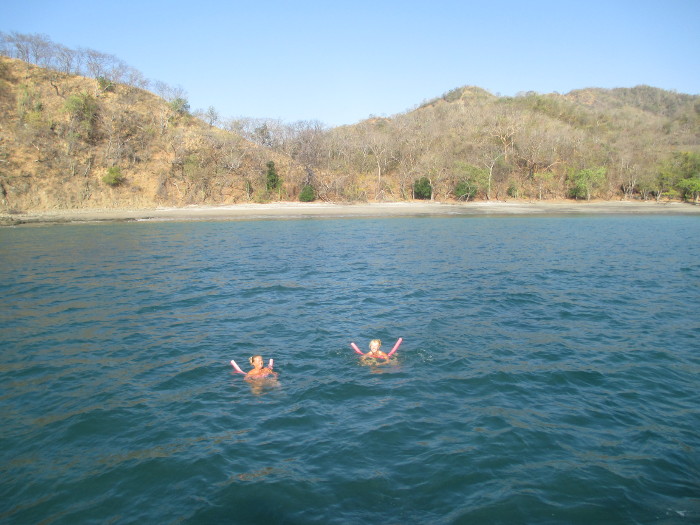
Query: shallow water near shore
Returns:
{"type": "Point", "coordinates": [549, 371]}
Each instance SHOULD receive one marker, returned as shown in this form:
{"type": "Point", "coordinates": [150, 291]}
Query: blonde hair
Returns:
{"type": "Point", "coordinates": [378, 341]}
{"type": "Point", "coordinates": [252, 357]}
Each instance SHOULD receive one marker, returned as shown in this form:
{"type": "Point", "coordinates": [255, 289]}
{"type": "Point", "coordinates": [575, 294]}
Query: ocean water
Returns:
{"type": "Point", "coordinates": [550, 371]}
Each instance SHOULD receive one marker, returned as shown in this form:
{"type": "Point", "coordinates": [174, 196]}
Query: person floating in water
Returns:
{"type": "Point", "coordinates": [374, 350]}
{"type": "Point", "coordinates": [259, 371]}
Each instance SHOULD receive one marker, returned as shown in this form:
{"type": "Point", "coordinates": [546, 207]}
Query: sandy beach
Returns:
{"type": "Point", "coordinates": [291, 210]}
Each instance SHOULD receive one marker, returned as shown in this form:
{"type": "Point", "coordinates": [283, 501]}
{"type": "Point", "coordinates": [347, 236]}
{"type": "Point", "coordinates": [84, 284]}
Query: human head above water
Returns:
{"type": "Point", "coordinates": [374, 344]}
{"type": "Point", "coordinates": [255, 358]}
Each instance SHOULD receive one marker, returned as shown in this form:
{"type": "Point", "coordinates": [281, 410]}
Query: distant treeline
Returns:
{"type": "Point", "coordinates": [40, 50]}
{"type": "Point", "coordinates": [640, 142]}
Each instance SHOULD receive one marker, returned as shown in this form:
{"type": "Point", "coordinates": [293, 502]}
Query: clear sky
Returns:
{"type": "Point", "coordinates": [341, 61]}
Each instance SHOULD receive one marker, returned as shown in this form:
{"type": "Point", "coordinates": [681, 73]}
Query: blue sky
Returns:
{"type": "Point", "coordinates": [340, 62]}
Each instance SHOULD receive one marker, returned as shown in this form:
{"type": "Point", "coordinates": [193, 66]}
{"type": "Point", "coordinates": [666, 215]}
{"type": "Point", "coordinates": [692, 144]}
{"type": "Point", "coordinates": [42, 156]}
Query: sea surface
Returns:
{"type": "Point", "coordinates": [549, 371]}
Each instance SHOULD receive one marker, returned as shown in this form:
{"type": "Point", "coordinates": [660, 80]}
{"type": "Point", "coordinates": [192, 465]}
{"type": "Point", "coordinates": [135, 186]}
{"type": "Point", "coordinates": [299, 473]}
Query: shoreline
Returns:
{"type": "Point", "coordinates": [297, 210]}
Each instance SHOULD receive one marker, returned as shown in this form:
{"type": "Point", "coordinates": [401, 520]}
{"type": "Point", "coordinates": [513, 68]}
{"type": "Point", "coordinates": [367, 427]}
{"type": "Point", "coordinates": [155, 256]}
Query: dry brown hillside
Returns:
{"type": "Point", "coordinates": [73, 142]}
{"type": "Point", "coordinates": [70, 142]}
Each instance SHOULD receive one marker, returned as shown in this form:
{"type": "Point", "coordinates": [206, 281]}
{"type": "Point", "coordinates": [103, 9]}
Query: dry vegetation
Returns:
{"type": "Point", "coordinates": [70, 141]}
{"type": "Point", "coordinates": [63, 136]}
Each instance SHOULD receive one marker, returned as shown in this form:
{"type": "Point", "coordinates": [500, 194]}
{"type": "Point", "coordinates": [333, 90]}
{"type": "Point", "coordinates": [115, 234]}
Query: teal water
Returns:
{"type": "Point", "coordinates": [550, 371]}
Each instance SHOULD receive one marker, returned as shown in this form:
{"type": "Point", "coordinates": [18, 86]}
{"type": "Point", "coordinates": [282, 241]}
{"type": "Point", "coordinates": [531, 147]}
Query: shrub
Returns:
{"type": "Point", "coordinates": [180, 106]}
{"type": "Point", "coordinates": [307, 194]}
{"type": "Point", "coordinates": [105, 84]}
{"type": "Point", "coordinates": [83, 110]}
{"type": "Point", "coordinates": [465, 190]}
{"type": "Point", "coordinates": [422, 188]}
{"type": "Point", "coordinates": [114, 176]}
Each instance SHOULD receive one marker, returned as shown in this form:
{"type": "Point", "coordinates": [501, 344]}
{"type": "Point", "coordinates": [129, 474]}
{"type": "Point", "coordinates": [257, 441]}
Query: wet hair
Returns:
{"type": "Point", "coordinates": [379, 341]}
{"type": "Point", "coordinates": [252, 357]}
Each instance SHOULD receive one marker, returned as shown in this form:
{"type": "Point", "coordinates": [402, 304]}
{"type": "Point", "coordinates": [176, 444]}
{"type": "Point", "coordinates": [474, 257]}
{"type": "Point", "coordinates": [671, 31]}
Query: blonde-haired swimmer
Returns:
{"type": "Point", "coordinates": [259, 370]}
{"type": "Point", "coordinates": [374, 350]}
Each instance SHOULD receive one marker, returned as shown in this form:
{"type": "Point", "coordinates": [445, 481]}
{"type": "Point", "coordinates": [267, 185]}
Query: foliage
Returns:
{"type": "Point", "coordinates": [113, 177]}
{"type": "Point", "coordinates": [180, 106]}
{"type": "Point", "coordinates": [682, 173]}
{"type": "Point", "coordinates": [471, 180]}
{"type": "Point", "coordinates": [83, 109]}
{"type": "Point", "coordinates": [466, 189]}
{"type": "Point", "coordinates": [105, 84]}
{"type": "Point", "coordinates": [308, 194]}
{"type": "Point", "coordinates": [272, 179]}
{"type": "Point", "coordinates": [690, 188]}
{"type": "Point", "coordinates": [585, 181]}
{"type": "Point", "coordinates": [453, 95]}
{"type": "Point", "coordinates": [422, 189]}
{"type": "Point", "coordinates": [82, 106]}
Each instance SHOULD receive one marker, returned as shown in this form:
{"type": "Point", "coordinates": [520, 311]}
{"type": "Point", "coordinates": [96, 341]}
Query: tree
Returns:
{"type": "Point", "coordinates": [585, 181]}
{"type": "Point", "coordinates": [272, 179]}
{"type": "Point", "coordinates": [180, 106]}
{"type": "Point", "coordinates": [211, 116]}
{"type": "Point", "coordinates": [682, 171]}
{"type": "Point", "coordinates": [378, 143]}
{"type": "Point", "coordinates": [307, 194]}
{"type": "Point", "coordinates": [691, 188]}
{"type": "Point", "coordinates": [470, 180]}
{"type": "Point", "coordinates": [422, 188]}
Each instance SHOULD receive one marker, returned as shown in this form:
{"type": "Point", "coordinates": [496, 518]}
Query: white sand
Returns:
{"type": "Point", "coordinates": [290, 210]}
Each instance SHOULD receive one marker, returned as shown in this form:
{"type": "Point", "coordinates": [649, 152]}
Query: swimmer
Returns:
{"type": "Point", "coordinates": [374, 350]}
{"type": "Point", "coordinates": [259, 371]}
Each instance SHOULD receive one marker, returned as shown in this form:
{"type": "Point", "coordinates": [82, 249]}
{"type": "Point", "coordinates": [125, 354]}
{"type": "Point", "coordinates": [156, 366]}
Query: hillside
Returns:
{"type": "Point", "coordinates": [534, 146]}
{"type": "Point", "coordinates": [640, 142]}
{"type": "Point", "coordinates": [72, 142]}
{"type": "Point", "coordinates": [62, 133]}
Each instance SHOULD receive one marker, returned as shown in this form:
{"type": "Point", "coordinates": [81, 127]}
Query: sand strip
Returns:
{"type": "Point", "coordinates": [290, 210]}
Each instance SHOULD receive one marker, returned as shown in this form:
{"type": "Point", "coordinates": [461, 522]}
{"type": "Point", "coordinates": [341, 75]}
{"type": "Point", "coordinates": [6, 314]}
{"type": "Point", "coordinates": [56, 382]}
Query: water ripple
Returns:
{"type": "Point", "coordinates": [549, 371]}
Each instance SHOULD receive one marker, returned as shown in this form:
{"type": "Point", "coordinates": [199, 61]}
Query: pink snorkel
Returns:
{"type": "Point", "coordinates": [396, 347]}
